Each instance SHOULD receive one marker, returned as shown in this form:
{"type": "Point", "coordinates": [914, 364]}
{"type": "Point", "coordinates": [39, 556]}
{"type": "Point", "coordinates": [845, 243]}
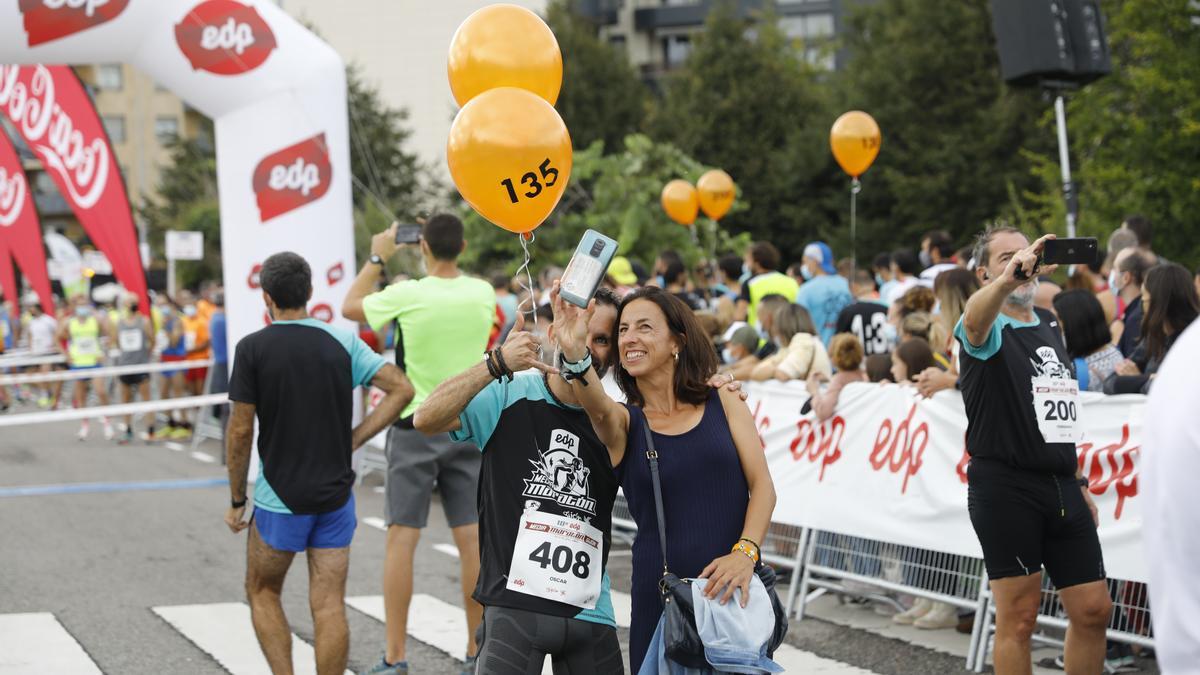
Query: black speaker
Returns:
{"type": "Point", "coordinates": [1060, 40]}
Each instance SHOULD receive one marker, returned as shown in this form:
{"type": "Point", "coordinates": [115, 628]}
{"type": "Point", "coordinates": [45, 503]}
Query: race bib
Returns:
{"type": "Point", "coordinates": [1056, 404]}
{"type": "Point", "coordinates": [131, 339]}
{"type": "Point", "coordinates": [557, 558]}
{"type": "Point", "coordinates": [87, 346]}
{"type": "Point", "coordinates": [189, 341]}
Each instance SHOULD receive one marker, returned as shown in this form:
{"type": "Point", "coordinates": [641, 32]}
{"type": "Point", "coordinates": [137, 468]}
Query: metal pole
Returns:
{"type": "Point", "coordinates": [1060, 113]}
{"type": "Point", "coordinates": [171, 277]}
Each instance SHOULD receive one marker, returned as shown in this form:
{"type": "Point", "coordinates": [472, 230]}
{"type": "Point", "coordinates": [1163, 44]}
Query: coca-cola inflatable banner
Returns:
{"type": "Point", "coordinates": [50, 109]}
{"type": "Point", "coordinates": [224, 37]}
{"type": "Point", "coordinates": [892, 466]}
{"type": "Point", "coordinates": [47, 20]}
{"type": "Point", "coordinates": [20, 234]}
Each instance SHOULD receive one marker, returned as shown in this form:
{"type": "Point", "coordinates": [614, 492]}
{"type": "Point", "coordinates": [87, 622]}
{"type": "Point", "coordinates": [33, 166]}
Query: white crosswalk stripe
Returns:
{"type": "Point", "coordinates": [225, 632]}
{"type": "Point", "coordinates": [32, 644]}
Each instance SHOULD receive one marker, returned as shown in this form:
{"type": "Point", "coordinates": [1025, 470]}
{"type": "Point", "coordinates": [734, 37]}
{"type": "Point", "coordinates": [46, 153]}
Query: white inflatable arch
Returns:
{"type": "Point", "coordinates": [277, 96]}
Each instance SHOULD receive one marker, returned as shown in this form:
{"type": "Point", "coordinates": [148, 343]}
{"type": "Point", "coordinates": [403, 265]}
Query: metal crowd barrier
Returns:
{"type": "Point", "coordinates": [822, 562]}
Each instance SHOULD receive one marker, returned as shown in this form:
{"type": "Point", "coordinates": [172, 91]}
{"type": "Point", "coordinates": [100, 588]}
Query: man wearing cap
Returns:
{"type": "Point", "coordinates": [825, 293]}
{"type": "Point", "coordinates": [620, 271]}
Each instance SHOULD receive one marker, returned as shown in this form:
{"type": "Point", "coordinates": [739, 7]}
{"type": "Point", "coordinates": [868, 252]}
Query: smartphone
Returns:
{"type": "Point", "coordinates": [587, 268]}
{"type": "Point", "coordinates": [408, 234]}
{"type": "Point", "coordinates": [1078, 251]}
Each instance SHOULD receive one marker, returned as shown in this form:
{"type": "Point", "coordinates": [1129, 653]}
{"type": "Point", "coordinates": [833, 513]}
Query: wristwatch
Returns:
{"type": "Point", "coordinates": [376, 259]}
{"type": "Point", "coordinates": [1083, 483]}
{"type": "Point", "coordinates": [236, 504]}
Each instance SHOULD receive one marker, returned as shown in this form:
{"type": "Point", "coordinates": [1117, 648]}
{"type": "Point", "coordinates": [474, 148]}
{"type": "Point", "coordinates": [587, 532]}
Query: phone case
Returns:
{"type": "Point", "coordinates": [587, 267]}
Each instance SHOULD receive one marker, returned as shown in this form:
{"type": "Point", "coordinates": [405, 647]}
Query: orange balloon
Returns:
{"type": "Point", "coordinates": [716, 192]}
{"type": "Point", "coordinates": [510, 157]}
{"type": "Point", "coordinates": [855, 141]}
{"type": "Point", "coordinates": [680, 202]}
{"type": "Point", "coordinates": [504, 46]}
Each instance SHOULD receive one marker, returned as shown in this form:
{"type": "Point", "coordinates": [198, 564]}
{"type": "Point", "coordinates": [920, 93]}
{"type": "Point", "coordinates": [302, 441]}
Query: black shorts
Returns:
{"type": "Point", "coordinates": [516, 642]}
{"type": "Point", "coordinates": [1026, 521]}
{"type": "Point", "coordinates": [133, 380]}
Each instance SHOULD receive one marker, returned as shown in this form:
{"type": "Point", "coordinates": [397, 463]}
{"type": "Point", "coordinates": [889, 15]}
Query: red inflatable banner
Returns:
{"type": "Point", "coordinates": [20, 233]}
{"type": "Point", "coordinates": [53, 113]}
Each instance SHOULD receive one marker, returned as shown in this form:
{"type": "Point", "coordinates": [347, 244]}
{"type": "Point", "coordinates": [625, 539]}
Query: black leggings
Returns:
{"type": "Point", "coordinates": [516, 642]}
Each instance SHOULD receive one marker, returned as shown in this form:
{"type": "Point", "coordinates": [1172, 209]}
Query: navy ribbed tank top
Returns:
{"type": "Point", "coordinates": [704, 502]}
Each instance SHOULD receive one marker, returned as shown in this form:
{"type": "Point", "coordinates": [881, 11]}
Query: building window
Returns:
{"type": "Point", "coordinates": [676, 49]}
{"type": "Point", "coordinates": [109, 77]}
{"type": "Point", "coordinates": [166, 128]}
{"type": "Point", "coordinates": [808, 27]}
{"type": "Point", "coordinates": [114, 126]}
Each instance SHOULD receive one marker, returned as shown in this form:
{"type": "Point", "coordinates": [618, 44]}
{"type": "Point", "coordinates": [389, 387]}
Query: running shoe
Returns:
{"type": "Point", "coordinates": [940, 616]}
{"type": "Point", "coordinates": [126, 438]}
{"type": "Point", "coordinates": [163, 434]}
{"type": "Point", "coordinates": [919, 609]}
{"type": "Point", "coordinates": [180, 434]}
{"type": "Point", "coordinates": [385, 668]}
{"type": "Point", "coordinates": [83, 431]}
{"type": "Point", "coordinates": [44, 402]}
{"type": "Point", "coordinates": [109, 433]}
{"type": "Point", "coordinates": [469, 665]}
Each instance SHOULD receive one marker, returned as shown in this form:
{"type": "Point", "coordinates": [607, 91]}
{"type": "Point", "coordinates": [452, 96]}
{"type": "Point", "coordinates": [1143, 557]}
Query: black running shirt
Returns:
{"type": "Point", "coordinates": [866, 320]}
{"type": "Point", "coordinates": [996, 379]}
{"type": "Point", "coordinates": [537, 452]}
{"type": "Point", "coordinates": [300, 376]}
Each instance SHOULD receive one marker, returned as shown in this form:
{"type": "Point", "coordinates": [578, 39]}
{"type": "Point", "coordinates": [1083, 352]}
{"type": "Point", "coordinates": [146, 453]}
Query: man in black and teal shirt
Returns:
{"type": "Point", "coordinates": [1028, 504]}
{"type": "Point", "coordinates": [298, 377]}
{"type": "Point", "coordinates": [546, 493]}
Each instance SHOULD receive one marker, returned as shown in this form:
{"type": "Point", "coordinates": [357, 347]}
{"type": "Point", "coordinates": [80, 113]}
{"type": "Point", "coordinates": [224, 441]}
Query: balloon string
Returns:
{"type": "Point", "coordinates": [855, 188]}
{"type": "Point", "coordinates": [527, 287]}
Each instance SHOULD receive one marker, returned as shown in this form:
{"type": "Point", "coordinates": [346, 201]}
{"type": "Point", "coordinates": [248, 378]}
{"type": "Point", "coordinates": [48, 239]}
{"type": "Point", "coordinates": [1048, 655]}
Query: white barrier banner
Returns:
{"type": "Point", "coordinates": [891, 465]}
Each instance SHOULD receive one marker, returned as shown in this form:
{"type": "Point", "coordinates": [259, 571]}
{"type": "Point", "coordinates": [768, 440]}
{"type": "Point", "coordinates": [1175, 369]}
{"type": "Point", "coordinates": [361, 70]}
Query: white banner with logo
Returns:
{"type": "Point", "coordinates": [277, 95]}
{"type": "Point", "coordinates": [890, 465]}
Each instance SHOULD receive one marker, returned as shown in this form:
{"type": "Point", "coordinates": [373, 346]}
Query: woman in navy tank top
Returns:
{"type": "Point", "coordinates": [717, 491]}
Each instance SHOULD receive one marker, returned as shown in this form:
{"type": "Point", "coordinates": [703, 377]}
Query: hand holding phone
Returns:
{"type": "Point", "coordinates": [587, 268]}
{"type": "Point", "coordinates": [408, 233]}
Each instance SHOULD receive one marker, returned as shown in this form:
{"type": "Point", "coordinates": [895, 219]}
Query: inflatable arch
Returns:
{"type": "Point", "coordinates": [277, 97]}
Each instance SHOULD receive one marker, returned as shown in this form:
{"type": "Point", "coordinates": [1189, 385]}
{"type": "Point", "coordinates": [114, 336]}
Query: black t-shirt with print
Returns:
{"type": "Point", "coordinates": [866, 320]}
{"type": "Point", "coordinates": [996, 381]}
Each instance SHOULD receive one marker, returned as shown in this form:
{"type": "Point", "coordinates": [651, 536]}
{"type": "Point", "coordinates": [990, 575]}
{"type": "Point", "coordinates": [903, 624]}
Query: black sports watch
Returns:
{"type": "Point", "coordinates": [236, 504]}
{"type": "Point", "coordinates": [376, 259]}
{"type": "Point", "coordinates": [1083, 482]}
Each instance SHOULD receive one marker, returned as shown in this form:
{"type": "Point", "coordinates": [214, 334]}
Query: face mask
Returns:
{"type": "Point", "coordinates": [1114, 280]}
{"type": "Point", "coordinates": [890, 334]}
{"type": "Point", "coordinates": [189, 311]}
{"type": "Point", "coordinates": [806, 273]}
{"type": "Point", "coordinates": [83, 310]}
{"type": "Point", "coordinates": [926, 259]}
{"type": "Point", "coordinates": [879, 280]}
{"type": "Point", "coordinates": [660, 281]}
{"type": "Point", "coordinates": [726, 356]}
{"type": "Point", "coordinates": [745, 270]}
{"type": "Point", "coordinates": [937, 307]}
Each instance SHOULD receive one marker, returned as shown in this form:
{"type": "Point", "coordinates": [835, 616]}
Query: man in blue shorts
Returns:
{"type": "Point", "coordinates": [298, 376]}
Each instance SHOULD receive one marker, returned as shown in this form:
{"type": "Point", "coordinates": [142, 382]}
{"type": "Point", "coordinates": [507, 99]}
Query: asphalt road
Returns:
{"type": "Point", "coordinates": [100, 554]}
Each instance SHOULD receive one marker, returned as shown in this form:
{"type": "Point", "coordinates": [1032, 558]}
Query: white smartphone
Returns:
{"type": "Point", "coordinates": [587, 268]}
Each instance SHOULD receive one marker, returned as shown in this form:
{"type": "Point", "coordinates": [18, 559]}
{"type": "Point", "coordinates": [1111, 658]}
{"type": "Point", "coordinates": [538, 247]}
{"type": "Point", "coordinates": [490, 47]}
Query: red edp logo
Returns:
{"type": "Point", "coordinates": [224, 37]}
{"type": "Point", "coordinates": [48, 20]}
{"type": "Point", "coordinates": [292, 177]}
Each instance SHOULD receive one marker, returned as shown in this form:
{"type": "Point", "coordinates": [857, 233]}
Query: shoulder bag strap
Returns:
{"type": "Point", "coordinates": [652, 456]}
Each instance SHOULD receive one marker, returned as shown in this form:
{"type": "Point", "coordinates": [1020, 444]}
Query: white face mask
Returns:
{"type": "Point", "coordinates": [1114, 282]}
{"type": "Point", "coordinates": [726, 356]}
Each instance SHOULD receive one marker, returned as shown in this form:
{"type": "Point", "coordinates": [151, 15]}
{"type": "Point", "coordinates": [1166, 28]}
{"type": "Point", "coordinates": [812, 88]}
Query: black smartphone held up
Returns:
{"type": "Point", "coordinates": [1076, 251]}
{"type": "Point", "coordinates": [587, 267]}
{"type": "Point", "coordinates": [408, 234]}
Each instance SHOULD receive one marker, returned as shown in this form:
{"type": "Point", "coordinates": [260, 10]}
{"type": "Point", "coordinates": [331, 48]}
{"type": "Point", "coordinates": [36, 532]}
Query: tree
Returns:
{"type": "Point", "coordinates": [602, 98]}
{"type": "Point", "coordinates": [388, 181]}
{"type": "Point", "coordinates": [928, 72]}
{"type": "Point", "coordinates": [746, 101]}
{"type": "Point", "coordinates": [617, 194]}
{"type": "Point", "coordinates": [1135, 133]}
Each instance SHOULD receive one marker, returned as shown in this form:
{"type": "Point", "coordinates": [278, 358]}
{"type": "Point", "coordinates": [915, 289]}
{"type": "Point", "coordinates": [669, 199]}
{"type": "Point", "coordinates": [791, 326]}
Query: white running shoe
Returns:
{"type": "Point", "coordinates": [83, 431]}
{"type": "Point", "coordinates": [941, 616]}
{"type": "Point", "coordinates": [108, 432]}
{"type": "Point", "coordinates": [919, 609]}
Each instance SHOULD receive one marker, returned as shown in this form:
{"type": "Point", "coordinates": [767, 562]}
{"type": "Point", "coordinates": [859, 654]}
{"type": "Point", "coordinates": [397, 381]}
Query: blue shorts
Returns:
{"type": "Point", "coordinates": [295, 533]}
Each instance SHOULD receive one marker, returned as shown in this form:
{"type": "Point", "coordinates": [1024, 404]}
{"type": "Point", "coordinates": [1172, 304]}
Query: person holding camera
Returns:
{"type": "Point", "coordinates": [1028, 504]}
{"type": "Point", "coordinates": [443, 322]}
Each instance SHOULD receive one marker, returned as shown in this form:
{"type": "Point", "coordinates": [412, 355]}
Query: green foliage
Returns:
{"type": "Point", "coordinates": [602, 98]}
{"type": "Point", "coordinates": [616, 194]}
{"type": "Point", "coordinates": [747, 102]}
{"type": "Point", "coordinates": [1135, 134]}
{"type": "Point", "coordinates": [928, 72]}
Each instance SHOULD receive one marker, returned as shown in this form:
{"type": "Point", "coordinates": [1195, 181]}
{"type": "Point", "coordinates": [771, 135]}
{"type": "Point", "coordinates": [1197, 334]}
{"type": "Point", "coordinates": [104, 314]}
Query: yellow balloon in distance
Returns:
{"type": "Point", "coordinates": [680, 202]}
{"type": "Point", "coordinates": [716, 192]}
{"type": "Point", "coordinates": [504, 46]}
{"type": "Point", "coordinates": [855, 142]}
{"type": "Point", "coordinates": [509, 154]}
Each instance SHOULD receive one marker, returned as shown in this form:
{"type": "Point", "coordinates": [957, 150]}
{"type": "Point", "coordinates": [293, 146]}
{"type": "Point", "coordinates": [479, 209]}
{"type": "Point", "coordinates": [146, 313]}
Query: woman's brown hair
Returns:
{"type": "Point", "coordinates": [916, 355]}
{"type": "Point", "coordinates": [697, 358]}
{"type": "Point", "coordinates": [1173, 306]}
{"type": "Point", "coordinates": [846, 352]}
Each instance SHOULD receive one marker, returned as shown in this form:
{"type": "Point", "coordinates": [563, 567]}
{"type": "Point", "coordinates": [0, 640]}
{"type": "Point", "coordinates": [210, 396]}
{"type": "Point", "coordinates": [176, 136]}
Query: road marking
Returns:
{"type": "Point", "coordinates": [224, 631]}
{"type": "Point", "coordinates": [800, 661]}
{"type": "Point", "coordinates": [448, 549]}
{"type": "Point", "coordinates": [204, 457]}
{"type": "Point", "coordinates": [377, 523]}
{"type": "Point", "coordinates": [438, 624]}
{"type": "Point", "coordinates": [35, 643]}
{"type": "Point", "coordinates": [172, 445]}
{"type": "Point", "coordinates": [133, 486]}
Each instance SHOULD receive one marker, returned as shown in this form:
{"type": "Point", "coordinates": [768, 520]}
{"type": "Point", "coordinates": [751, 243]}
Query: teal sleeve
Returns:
{"type": "Point", "coordinates": [386, 305]}
{"type": "Point", "coordinates": [364, 362]}
{"type": "Point", "coordinates": [990, 346]}
{"type": "Point", "coordinates": [482, 414]}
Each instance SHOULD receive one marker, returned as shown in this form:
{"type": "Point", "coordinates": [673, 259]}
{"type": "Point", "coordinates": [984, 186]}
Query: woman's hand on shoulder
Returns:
{"type": "Point", "coordinates": [726, 382]}
{"type": "Point", "coordinates": [729, 572]}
